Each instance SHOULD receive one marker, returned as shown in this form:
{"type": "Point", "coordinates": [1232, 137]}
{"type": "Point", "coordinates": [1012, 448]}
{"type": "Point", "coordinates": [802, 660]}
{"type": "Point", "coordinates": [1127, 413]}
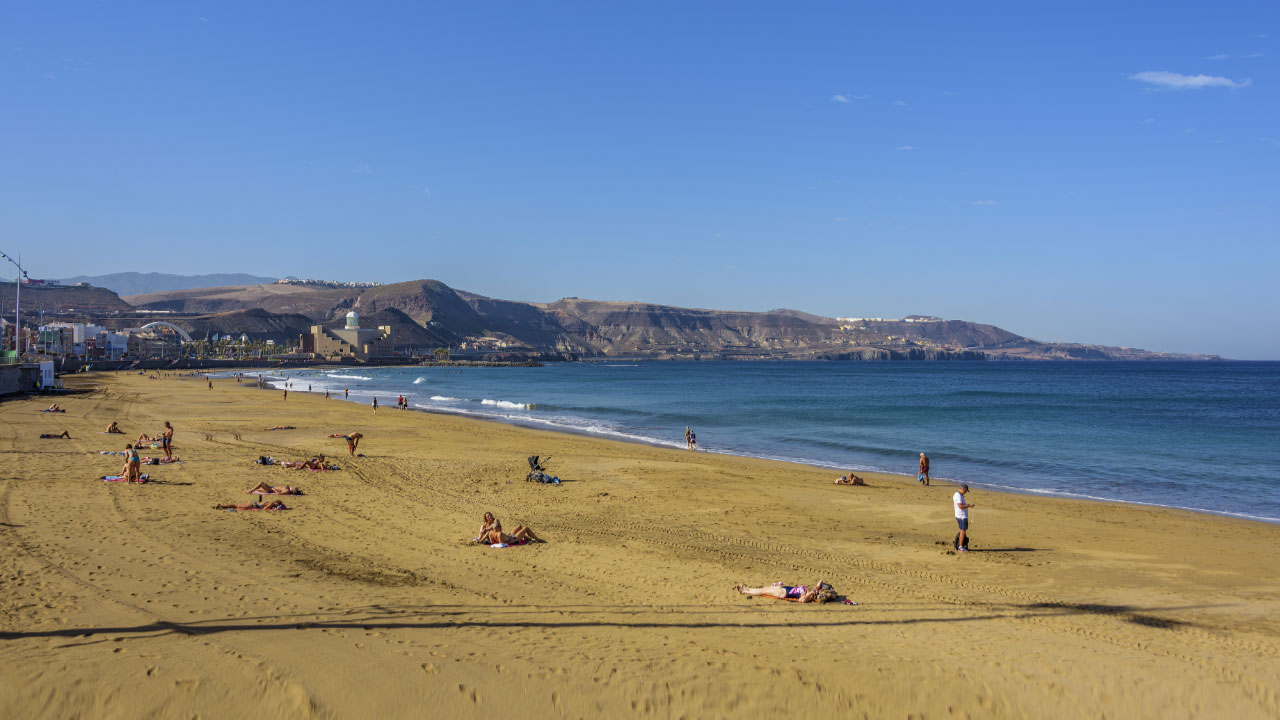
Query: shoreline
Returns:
{"type": "Point", "coordinates": [551, 426]}
{"type": "Point", "coordinates": [367, 597]}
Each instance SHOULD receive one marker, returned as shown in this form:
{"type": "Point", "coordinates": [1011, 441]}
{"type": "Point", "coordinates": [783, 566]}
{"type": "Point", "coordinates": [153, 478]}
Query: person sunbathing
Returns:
{"type": "Point", "coordinates": [819, 593]}
{"type": "Point", "coordinates": [851, 479]}
{"type": "Point", "coordinates": [114, 428]}
{"type": "Point", "coordinates": [54, 408]}
{"type": "Point", "coordinates": [145, 438]}
{"type": "Point", "coordinates": [264, 489]}
{"type": "Point", "coordinates": [315, 463]}
{"type": "Point", "coordinates": [51, 436]}
{"type": "Point", "coordinates": [283, 427]}
{"type": "Point", "coordinates": [491, 533]}
{"type": "Point", "coordinates": [268, 505]}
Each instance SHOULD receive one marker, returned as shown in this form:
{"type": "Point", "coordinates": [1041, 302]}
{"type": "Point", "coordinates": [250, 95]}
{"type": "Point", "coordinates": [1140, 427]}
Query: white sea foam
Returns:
{"type": "Point", "coordinates": [419, 380]}
{"type": "Point", "coordinates": [444, 398]}
{"type": "Point", "coordinates": [349, 377]}
{"type": "Point", "coordinates": [506, 404]}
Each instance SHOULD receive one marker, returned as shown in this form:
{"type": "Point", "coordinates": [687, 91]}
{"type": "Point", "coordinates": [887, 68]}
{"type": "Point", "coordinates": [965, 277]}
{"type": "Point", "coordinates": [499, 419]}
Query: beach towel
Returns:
{"type": "Point", "coordinates": [259, 492]}
{"type": "Point", "coordinates": [252, 509]}
{"type": "Point", "coordinates": [120, 478]}
{"type": "Point", "coordinates": [499, 546]}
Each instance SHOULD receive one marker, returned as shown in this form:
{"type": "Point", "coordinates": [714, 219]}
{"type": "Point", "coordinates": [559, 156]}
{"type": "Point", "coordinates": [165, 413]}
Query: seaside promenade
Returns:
{"type": "Point", "coordinates": [366, 599]}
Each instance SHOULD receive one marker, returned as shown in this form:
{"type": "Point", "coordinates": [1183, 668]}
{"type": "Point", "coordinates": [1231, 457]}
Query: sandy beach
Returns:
{"type": "Point", "coordinates": [367, 598]}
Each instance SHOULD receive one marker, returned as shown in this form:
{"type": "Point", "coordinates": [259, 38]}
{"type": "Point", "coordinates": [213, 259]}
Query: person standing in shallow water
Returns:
{"type": "Point", "coordinates": [375, 405]}
{"type": "Point", "coordinates": [923, 477]}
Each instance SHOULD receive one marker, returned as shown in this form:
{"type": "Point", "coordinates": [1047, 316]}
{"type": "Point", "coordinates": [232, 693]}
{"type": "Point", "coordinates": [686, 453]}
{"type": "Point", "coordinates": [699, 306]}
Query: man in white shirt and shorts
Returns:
{"type": "Point", "coordinates": [962, 517]}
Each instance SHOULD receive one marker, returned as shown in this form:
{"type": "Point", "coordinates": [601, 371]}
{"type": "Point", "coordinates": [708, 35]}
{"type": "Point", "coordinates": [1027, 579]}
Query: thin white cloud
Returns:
{"type": "Point", "coordinates": [1254, 54]}
{"type": "Point", "coordinates": [1219, 56]}
{"type": "Point", "coordinates": [899, 103]}
{"type": "Point", "coordinates": [985, 203]}
{"type": "Point", "coordinates": [839, 99]}
{"type": "Point", "coordinates": [905, 147]}
{"type": "Point", "coordinates": [861, 97]}
{"type": "Point", "coordinates": [362, 169]}
{"type": "Point", "coordinates": [204, 19]}
{"type": "Point", "coordinates": [1178, 81]}
{"type": "Point", "coordinates": [842, 219]}
{"type": "Point", "coordinates": [1149, 121]}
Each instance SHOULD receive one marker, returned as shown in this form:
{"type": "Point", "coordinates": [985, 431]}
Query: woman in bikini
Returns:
{"type": "Point", "coordinates": [491, 533]}
{"type": "Point", "coordinates": [263, 488]}
{"type": "Point", "coordinates": [850, 480]}
{"type": "Point", "coordinates": [268, 505]}
{"type": "Point", "coordinates": [820, 592]}
{"type": "Point", "coordinates": [132, 470]}
{"type": "Point", "coordinates": [64, 435]}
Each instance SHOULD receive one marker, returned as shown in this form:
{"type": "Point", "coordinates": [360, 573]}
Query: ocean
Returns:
{"type": "Point", "coordinates": [1197, 436]}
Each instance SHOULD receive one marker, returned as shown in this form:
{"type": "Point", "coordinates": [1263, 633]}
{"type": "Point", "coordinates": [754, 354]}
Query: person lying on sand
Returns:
{"type": "Point", "coordinates": [315, 463]}
{"type": "Point", "coordinates": [491, 533]}
{"type": "Point", "coordinates": [851, 479]}
{"type": "Point", "coordinates": [283, 427]}
{"type": "Point", "coordinates": [50, 436]}
{"type": "Point", "coordinates": [264, 489]}
{"type": "Point", "coordinates": [145, 438]}
{"type": "Point", "coordinates": [268, 505]}
{"type": "Point", "coordinates": [53, 408]}
{"type": "Point", "coordinates": [114, 428]}
{"type": "Point", "coordinates": [819, 593]}
{"type": "Point", "coordinates": [353, 440]}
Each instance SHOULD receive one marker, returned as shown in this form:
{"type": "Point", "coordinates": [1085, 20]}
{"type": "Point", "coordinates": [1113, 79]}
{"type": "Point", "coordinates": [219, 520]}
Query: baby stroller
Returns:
{"type": "Point", "coordinates": [538, 471]}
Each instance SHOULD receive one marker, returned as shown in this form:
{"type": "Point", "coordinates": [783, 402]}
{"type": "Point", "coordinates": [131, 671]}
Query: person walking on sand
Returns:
{"type": "Point", "coordinates": [962, 518]}
{"type": "Point", "coordinates": [166, 440]}
{"type": "Point", "coordinates": [346, 393]}
{"type": "Point", "coordinates": [210, 382]}
{"type": "Point", "coordinates": [375, 405]}
{"type": "Point", "coordinates": [923, 477]}
{"type": "Point", "coordinates": [286, 394]}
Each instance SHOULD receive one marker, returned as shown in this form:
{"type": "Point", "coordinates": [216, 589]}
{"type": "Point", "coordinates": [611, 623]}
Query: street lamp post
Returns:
{"type": "Point", "coordinates": [17, 304]}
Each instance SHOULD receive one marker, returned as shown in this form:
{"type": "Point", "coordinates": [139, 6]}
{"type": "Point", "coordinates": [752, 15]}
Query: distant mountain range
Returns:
{"type": "Point", "coordinates": [428, 313]}
{"type": "Point", "coordinates": [134, 283]}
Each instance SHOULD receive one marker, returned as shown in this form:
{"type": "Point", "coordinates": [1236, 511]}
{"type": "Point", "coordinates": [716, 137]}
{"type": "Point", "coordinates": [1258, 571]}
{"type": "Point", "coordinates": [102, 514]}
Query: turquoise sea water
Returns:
{"type": "Point", "coordinates": [1203, 436]}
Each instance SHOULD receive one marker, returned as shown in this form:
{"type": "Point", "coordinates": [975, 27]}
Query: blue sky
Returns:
{"type": "Point", "coordinates": [1088, 172]}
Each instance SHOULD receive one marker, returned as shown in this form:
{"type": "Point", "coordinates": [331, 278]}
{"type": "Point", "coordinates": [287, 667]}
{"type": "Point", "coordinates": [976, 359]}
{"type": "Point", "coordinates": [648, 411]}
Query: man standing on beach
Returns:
{"type": "Point", "coordinates": [923, 477]}
{"type": "Point", "coordinates": [166, 440]}
{"type": "Point", "coordinates": [375, 405]}
{"type": "Point", "coordinates": [346, 393]}
{"type": "Point", "coordinates": [962, 517]}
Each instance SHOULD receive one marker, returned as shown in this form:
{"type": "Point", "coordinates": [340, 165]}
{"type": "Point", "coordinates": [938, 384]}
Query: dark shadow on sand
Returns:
{"type": "Point", "coordinates": [464, 616]}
